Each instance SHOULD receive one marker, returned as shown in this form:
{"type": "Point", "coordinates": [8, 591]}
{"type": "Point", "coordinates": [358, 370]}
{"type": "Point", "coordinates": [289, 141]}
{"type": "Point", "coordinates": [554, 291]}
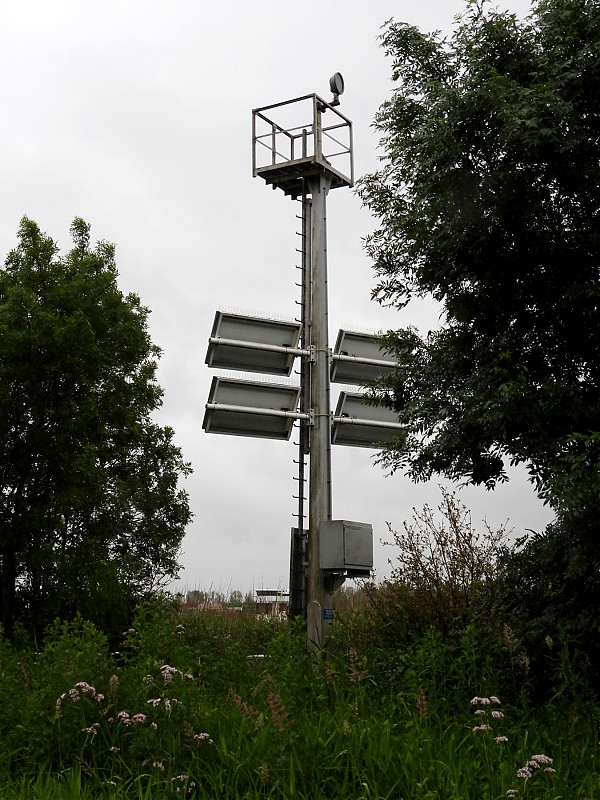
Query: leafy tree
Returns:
{"type": "Point", "coordinates": [489, 201]}
{"type": "Point", "coordinates": [91, 516]}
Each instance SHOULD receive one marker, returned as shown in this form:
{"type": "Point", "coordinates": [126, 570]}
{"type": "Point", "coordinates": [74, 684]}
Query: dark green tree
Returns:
{"type": "Point", "coordinates": [91, 514]}
{"type": "Point", "coordinates": [489, 201]}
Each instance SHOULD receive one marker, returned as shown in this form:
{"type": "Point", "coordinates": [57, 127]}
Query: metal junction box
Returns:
{"type": "Point", "coordinates": [346, 546]}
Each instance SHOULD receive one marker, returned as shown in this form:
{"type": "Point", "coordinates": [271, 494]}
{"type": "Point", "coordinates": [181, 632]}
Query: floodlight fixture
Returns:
{"type": "Point", "coordinates": [336, 86]}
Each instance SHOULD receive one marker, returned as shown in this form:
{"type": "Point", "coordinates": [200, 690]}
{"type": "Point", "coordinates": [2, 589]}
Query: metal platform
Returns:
{"type": "Point", "coordinates": [294, 141]}
{"type": "Point", "coordinates": [291, 176]}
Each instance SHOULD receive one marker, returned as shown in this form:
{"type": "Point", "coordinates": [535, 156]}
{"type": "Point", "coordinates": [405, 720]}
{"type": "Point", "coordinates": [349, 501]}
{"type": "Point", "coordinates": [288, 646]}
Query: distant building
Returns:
{"type": "Point", "coordinates": [272, 603]}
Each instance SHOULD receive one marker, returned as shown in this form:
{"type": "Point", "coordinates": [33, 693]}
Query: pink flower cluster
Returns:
{"type": "Point", "coordinates": [281, 718]}
{"type": "Point", "coordinates": [126, 719]}
{"type": "Point", "coordinates": [247, 709]}
{"type": "Point", "coordinates": [168, 672]}
{"type": "Point", "coordinates": [92, 730]}
{"type": "Point", "coordinates": [75, 694]}
{"type": "Point", "coordinates": [535, 762]}
{"type": "Point", "coordinates": [485, 701]}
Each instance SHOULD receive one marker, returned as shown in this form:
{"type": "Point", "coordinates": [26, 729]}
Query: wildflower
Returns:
{"type": "Point", "coordinates": [202, 737]}
{"type": "Point", "coordinates": [511, 792]}
{"type": "Point", "coordinates": [92, 730]}
{"type": "Point", "coordinates": [497, 714]}
{"type": "Point", "coordinates": [541, 759]}
{"type": "Point", "coordinates": [247, 710]}
{"type": "Point", "coordinates": [357, 666]}
{"type": "Point", "coordinates": [480, 701]}
{"type": "Point", "coordinates": [480, 713]}
{"type": "Point", "coordinates": [139, 719]}
{"type": "Point", "coordinates": [523, 662]}
{"type": "Point", "coordinates": [158, 765]}
{"type": "Point", "coordinates": [482, 728]}
{"type": "Point", "coordinates": [114, 749]}
{"type": "Point", "coordinates": [507, 637]}
{"type": "Point", "coordinates": [154, 726]}
{"type": "Point", "coordinates": [494, 699]}
{"type": "Point", "coordinates": [167, 674]}
{"type": "Point", "coordinates": [59, 703]}
{"type": "Point", "coordinates": [501, 739]}
{"type": "Point", "coordinates": [113, 685]}
{"type": "Point", "coordinates": [124, 718]}
{"type": "Point", "coordinates": [524, 773]}
{"type": "Point", "coordinates": [148, 679]}
{"type": "Point", "coordinates": [279, 715]}
{"type": "Point", "coordinates": [155, 701]}
{"type": "Point", "coordinates": [422, 704]}
{"type": "Point", "coordinates": [75, 693]}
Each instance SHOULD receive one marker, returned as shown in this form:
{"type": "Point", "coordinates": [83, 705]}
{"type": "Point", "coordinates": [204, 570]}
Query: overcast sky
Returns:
{"type": "Point", "coordinates": [136, 116]}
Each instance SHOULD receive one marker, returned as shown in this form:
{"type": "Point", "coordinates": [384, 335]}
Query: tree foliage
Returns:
{"type": "Point", "coordinates": [489, 201]}
{"type": "Point", "coordinates": [91, 515]}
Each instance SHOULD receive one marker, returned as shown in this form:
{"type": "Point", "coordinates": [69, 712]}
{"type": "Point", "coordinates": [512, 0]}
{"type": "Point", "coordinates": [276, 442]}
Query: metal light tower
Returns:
{"type": "Point", "coordinates": [313, 174]}
{"type": "Point", "coordinates": [304, 147]}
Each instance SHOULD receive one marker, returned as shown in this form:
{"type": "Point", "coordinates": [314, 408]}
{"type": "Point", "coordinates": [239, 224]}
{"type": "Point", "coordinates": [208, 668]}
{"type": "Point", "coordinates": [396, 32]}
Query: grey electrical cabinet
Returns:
{"type": "Point", "coordinates": [346, 546]}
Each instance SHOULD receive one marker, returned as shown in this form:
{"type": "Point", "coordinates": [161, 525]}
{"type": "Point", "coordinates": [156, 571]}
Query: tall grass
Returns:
{"type": "Point", "coordinates": [182, 707]}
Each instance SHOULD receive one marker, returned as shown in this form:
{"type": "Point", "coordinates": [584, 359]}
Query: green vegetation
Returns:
{"type": "Point", "coordinates": [431, 691]}
{"type": "Point", "coordinates": [474, 673]}
{"type": "Point", "coordinates": [184, 709]}
{"type": "Point", "coordinates": [488, 202]}
{"type": "Point", "coordinates": [91, 515]}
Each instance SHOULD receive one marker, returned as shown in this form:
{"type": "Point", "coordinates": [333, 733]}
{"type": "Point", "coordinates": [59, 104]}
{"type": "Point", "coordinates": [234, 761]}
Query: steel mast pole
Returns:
{"type": "Point", "coordinates": [319, 595]}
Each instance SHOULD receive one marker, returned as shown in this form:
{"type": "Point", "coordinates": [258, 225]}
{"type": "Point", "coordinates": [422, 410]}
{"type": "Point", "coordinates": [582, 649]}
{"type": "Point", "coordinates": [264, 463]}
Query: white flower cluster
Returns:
{"type": "Point", "coordinates": [168, 703]}
{"type": "Point", "coordinates": [136, 719]}
{"type": "Point", "coordinates": [168, 672]}
{"type": "Point", "coordinates": [495, 713]}
{"type": "Point", "coordinates": [75, 694]}
{"type": "Point", "coordinates": [203, 737]}
{"type": "Point", "coordinates": [539, 761]}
